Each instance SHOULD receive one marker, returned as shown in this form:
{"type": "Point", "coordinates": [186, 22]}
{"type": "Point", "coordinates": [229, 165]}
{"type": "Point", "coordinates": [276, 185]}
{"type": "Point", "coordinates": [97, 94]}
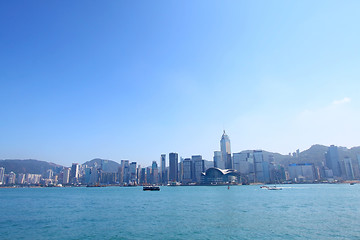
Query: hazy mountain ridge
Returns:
{"type": "Point", "coordinates": [315, 154]}
{"type": "Point", "coordinates": [29, 166]}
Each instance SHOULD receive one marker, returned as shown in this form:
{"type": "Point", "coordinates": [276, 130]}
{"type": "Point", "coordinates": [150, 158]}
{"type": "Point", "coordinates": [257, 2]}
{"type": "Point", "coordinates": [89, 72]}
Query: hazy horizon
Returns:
{"type": "Point", "coordinates": [123, 80]}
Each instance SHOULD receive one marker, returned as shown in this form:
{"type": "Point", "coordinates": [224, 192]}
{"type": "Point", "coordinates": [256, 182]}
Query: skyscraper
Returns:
{"type": "Point", "coordinates": [187, 172]}
{"type": "Point", "coordinates": [74, 174]}
{"type": "Point", "coordinates": [66, 176]}
{"type": "Point", "coordinates": [2, 173]}
{"type": "Point", "coordinates": [155, 172]}
{"type": "Point", "coordinates": [173, 167]}
{"type": "Point", "coordinates": [349, 171]}
{"type": "Point", "coordinates": [226, 151]}
{"type": "Point", "coordinates": [164, 177]}
{"type": "Point", "coordinates": [125, 171]}
{"type": "Point", "coordinates": [198, 167]}
{"type": "Point", "coordinates": [258, 165]}
{"type": "Point", "coordinates": [132, 172]}
{"type": "Point", "coordinates": [143, 176]}
{"type": "Point", "coordinates": [218, 163]}
{"type": "Point", "coordinates": [332, 160]}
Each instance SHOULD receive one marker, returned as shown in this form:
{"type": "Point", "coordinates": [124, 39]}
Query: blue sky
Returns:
{"type": "Point", "coordinates": [134, 79]}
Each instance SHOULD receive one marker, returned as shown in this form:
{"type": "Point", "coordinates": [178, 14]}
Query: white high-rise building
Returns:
{"type": "Point", "coordinates": [66, 175]}
{"type": "Point", "coordinates": [2, 173]}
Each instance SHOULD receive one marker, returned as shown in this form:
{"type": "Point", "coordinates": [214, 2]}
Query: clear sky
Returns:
{"type": "Point", "coordinates": [134, 79]}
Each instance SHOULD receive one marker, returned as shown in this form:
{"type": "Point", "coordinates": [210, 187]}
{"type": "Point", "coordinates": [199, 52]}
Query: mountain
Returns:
{"type": "Point", "coordinates": [29, 166]}
{"type": "Point", "coordinates": [107, 165]}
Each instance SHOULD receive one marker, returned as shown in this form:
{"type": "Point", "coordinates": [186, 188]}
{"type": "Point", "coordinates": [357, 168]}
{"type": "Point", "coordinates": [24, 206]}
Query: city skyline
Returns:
{"type": "Point", "coordinates": [105, 82]}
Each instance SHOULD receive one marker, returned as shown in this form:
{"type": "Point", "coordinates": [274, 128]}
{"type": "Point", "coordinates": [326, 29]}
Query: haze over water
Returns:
{"type": "Point", "coordinates": [199, 212]}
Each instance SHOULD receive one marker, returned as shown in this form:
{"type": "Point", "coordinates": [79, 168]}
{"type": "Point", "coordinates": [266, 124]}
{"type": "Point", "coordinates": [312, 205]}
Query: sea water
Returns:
{"type": "Point", "coordinates": [323, 211]}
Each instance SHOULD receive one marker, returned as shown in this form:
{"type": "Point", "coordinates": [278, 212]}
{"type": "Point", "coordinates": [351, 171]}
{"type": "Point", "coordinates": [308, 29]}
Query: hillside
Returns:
{"type": "Point", "coordinates": [107, 165]}
{"type": "Point", "coordinates": [29, 166]}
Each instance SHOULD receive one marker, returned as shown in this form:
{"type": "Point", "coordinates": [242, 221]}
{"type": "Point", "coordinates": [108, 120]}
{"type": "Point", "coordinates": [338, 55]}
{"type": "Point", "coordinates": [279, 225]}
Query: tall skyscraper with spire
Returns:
{"type": "Point", "coordinates": [226, 151]}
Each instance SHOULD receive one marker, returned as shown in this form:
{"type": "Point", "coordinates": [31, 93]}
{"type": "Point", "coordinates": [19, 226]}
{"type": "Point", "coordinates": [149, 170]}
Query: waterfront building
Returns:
{"type": "Point", "coordinates": [218, 162]}
{"type": "Point", "coordinates": [164, 177]}
{"type": "Point", "coordinates": [240, 161]}
{"type": "Point", "coordinates": [302, 172]}
{"type": "Point", "coordinates": [180, 170]}
{"type": "Point", "coordinates": [49, 174]}
{"type": "Point", "coordinates": [148, 175]}
{"type": "Point", "coordinates": [332, 160]}
{"type": "Point", "coordinates": [349, 171]}
{"type": "Point", "coordinates": [226, 151]}
{"type": "Point", "coordinates": [198, 167]}
{"type": "Point", "coordinates": [173, 167]}
{"type": "Point", "coordinates": [20, 179]}
{"type": "Point", "coordinates": [258, 165]}
{"type": "Point", "coordinates": [2, 173]}
{"type": "Point", "coordinates": [66, 176]}
{"type": "Point", "coordinates": [107, 178]}
{"type": "Point", "coordinates": [87, 174]}
{"type": "Point", "coordinates": [74, 173]}
{"type": "Point", "coordinates": [187, 171]}
{"type": "Point", "coordinates": [138, 173]}
{"type": "Point", "coordinates": [105, 166]}
{"type": "Point", "coordinates": [34, 178]}
{"type": "Point", "coordinates": [11, 178]}
{"type": "Point", "coordinates": [217, 176]}
{"type": "Point", "coordinates": [125, 171]}
{"type": "Point", "coordinates": [120, 175]}
{"type": "Point", "coordinates": [95, 176]}
{"type": "Point", "coordinates": [143, 176]}
{"type": "Point", "coordinates": [155, 173]}
{"type": "Point", "coordinates": [132, 172]}
{"type": "Point", "coordinates": [266, 171]}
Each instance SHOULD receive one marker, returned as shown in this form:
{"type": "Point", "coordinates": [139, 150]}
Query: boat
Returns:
{"type": "Point", "coordinates": [264, 187]}
{"type": "Point", "coordinates": [151, 188]}
{"type": "Point", "coordinates": [352, 183]}
{"type": "Point", "coordinates": [274, 188]}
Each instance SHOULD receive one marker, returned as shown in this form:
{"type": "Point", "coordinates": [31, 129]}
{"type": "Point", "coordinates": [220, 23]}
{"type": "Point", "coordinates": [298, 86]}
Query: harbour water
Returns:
{"type": "Point", "coordinates": [323, 211]}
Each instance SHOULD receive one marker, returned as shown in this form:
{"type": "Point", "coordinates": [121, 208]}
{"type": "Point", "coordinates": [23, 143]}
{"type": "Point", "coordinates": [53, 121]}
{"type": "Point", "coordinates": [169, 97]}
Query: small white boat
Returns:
{"type": "Point", "coordinates": [274, 188]}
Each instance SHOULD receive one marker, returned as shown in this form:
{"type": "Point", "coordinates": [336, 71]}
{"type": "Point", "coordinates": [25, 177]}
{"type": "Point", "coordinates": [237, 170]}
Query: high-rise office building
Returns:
{"type": "Point", "coordinates": [164, 177]}
{"type": "Point", "coordinates": [173, 167]}
{"type": "Point", "coordinates": [240, 162]}
{"type": "Point", "coordinates": [11, 178]}
{"type": "Point", "coordinates": [138, 172]}
{"type": "Point", "coordinates": [125, 171]}
{"type": "Point", "coordinates": [87, 174]}
{"type": "Point", "coordinates": [148, 175]}
{"type": "Point", "coordinates": [66, 176]}
{"type": "Point", "coordinates": [187, 171]}
{"type": "Point", "coordinates": [198, 167]}
{"type": "Point", "coordinates": [332, 160]}
{"type": "Point", "coordinates": [226, 151]}
{"type": "Point", "coordinates": [258, 165]}
{"type": "Point", "coordinates": [95, 175]}
{"type": "Point", "coordinates": [349, 171]}
{"type": "Point", "coordinates": [74, 173]}
{"type": "Point", "coordinates": [302, 172]}
{"type": "Point", "coordinates": [20, 179]}
{"type": "Point", "coordinates": [155, 172]}
{"type": "Point", "coordinates": [49, 174]}
{"type": "Point", "coordinates": [132, 172]}
{"type": "Point", "coordinates": [2, 173]}
{"type": "Point", "coordinates": [143, 176]}
{"type": "Point", "coordinates": [218, 163]}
